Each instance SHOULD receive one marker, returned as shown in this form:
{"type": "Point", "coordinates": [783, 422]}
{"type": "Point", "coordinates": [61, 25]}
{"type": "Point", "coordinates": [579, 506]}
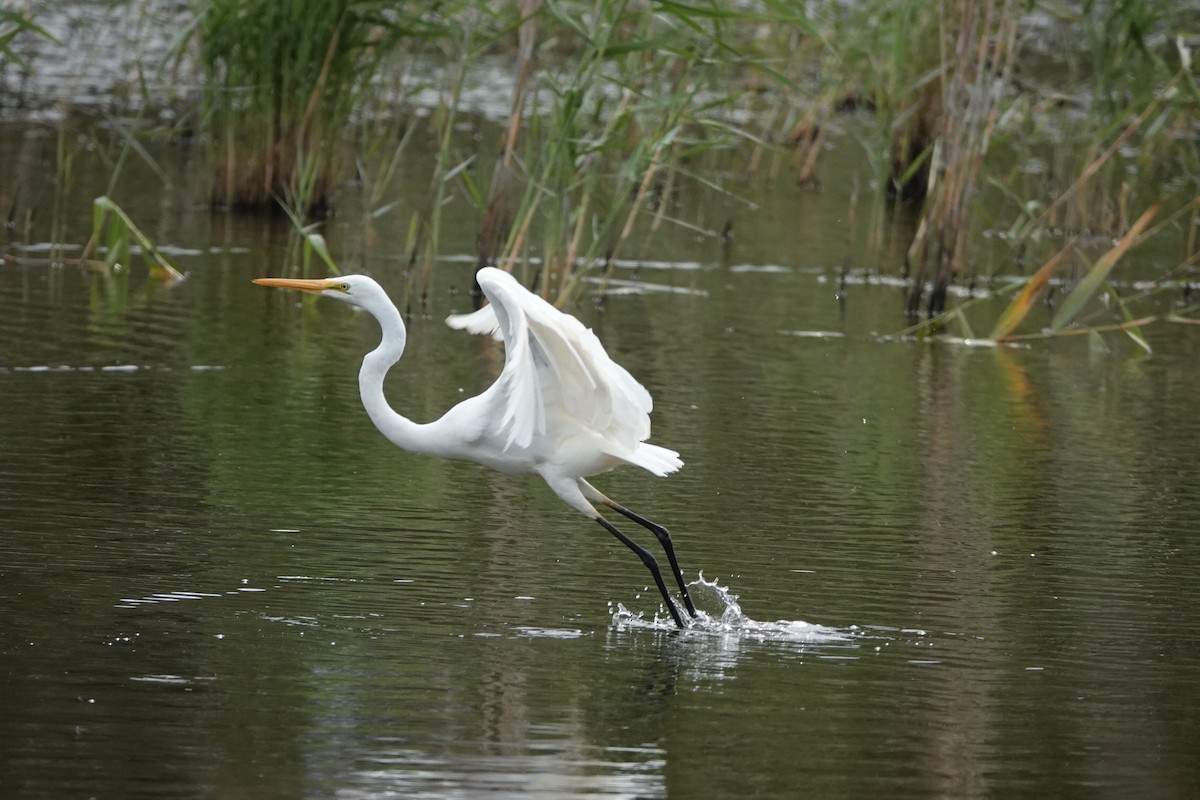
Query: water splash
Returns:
{"type": "Point", "coordinates": [718, 613]}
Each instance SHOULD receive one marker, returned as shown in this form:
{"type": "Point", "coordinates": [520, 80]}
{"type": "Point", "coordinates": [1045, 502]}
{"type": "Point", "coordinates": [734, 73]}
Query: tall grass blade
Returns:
{"type": "Point", "coordinates": [1098, 274]}
{"type": "Point", "coordinates": [1019, 307]}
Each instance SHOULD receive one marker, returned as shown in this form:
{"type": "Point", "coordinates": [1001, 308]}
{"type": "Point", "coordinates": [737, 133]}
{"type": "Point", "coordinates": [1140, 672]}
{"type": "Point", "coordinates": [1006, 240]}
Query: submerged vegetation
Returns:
{"type": "Point", "coordinates": [1020, 147]}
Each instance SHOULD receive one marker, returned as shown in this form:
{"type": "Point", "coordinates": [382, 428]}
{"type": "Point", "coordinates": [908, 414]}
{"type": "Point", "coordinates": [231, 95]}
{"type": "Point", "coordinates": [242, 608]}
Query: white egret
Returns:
{"type": "Point", "coordinates": [561, 408]}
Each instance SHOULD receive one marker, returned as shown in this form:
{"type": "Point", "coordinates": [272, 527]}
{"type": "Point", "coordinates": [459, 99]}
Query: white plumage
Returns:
{"type": "Point", "coordinates": [561, 408]}
{"type": "Point", "coordinates": [557, 373]}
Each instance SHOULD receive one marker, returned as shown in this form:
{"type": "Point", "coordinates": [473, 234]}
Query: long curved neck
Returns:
{"type": "Point", "coordinates": [400, 430]}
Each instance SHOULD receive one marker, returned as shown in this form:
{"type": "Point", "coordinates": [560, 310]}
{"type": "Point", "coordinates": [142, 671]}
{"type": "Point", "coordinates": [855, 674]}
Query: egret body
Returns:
{"type": "Point", "coordinates": [561, 408]}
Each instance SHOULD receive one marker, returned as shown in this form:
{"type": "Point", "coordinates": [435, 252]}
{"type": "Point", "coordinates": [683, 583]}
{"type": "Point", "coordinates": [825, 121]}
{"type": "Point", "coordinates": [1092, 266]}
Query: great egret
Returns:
{"type": "Point", "coordinates": [561, 408]}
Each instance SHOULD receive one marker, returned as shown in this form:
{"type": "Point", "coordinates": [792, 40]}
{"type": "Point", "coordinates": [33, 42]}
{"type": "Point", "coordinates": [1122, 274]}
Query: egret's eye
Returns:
{"type": "Point", "coordinates": [345, 287]}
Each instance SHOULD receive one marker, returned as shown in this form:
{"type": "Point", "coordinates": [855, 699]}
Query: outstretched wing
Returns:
{"type": "Point", "coordinates": [554, 369]}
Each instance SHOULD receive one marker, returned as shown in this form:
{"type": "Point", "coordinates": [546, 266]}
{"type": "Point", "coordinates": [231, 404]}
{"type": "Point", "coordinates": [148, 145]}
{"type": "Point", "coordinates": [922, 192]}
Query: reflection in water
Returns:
{"type": "Point", "coordinates": [562, 766]}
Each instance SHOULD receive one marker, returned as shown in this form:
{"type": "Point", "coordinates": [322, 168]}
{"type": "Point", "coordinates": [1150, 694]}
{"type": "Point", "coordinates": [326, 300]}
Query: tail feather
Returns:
{"type": "Point", "coordinates": [652, 458]}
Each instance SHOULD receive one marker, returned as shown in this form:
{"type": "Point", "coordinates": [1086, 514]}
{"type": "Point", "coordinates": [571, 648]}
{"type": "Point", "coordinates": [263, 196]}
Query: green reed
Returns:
{"type": "Point", "coordinates": [281, 79]}
{"type": "Point", "coordinates": [616, 106]}
{"type": "Point", "coordinates": [646, 91]}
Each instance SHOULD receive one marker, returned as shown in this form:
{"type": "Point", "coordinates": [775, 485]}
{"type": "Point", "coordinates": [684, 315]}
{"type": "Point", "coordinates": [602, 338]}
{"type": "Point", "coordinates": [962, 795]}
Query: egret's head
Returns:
{"type": "Point", "coordinates": [357, 290]}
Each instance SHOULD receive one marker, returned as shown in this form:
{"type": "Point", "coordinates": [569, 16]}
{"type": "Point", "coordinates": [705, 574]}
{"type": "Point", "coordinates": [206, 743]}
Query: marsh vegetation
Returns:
{"type": "Point", "coordinates": [1036, 152]}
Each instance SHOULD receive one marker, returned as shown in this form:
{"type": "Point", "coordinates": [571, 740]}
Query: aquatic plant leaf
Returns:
{"type": "Point", "coordinates": [776, 13]}
{"type": "Point", "coordinates": [1182, 320]}
{"type": "Point", "coordinates": [1132, 327]}
{"type": "Point", "coordinates": [316, 243]}
{"type": "Point", "coordinates": [1098, 274]}
{"type": "Point", "coordinates": [967, 331]}
{"type": "Point", "coordinates": [1016, 311]}
{"type": "Point", "coordinates": [116, 243]}
{"type": "Point", "coordinates": [624, 48]}
{"type": "Point", "coordinates": [118, 234]}
{"type": "Point", "coordinates": [313, 242]}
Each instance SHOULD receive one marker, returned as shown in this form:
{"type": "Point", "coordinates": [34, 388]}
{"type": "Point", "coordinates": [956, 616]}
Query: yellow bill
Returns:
{"type": "Point", "coordinates": [316, 286]}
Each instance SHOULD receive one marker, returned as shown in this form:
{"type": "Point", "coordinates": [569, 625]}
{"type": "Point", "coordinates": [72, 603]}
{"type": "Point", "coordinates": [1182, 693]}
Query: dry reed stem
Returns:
{"type": "Point", "coordinates": [973, 79]}
{"type": "Point", "coordinates": [667, 191]}
{"type": "Point", "coordinates": [808, 148]}
{"type": "Point", "coordinates": [1095, 164]}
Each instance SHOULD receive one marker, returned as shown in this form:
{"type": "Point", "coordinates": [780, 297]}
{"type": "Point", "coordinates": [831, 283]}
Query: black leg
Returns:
{"type": "Point", "coordinates": [664, 539]}
{"type": "Point", "coordinates": [650, 563]}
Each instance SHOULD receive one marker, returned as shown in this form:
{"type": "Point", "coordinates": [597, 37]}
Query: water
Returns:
{"type": "Point", "coordinates": [924, 570]}
{"type": "Point", "coordinates": [959, 571]}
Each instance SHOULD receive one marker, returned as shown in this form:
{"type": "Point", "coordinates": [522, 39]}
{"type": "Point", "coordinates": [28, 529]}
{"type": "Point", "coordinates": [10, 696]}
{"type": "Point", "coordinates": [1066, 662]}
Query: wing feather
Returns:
{"type": "Point", "coordinates": [554, 366]}
{"type": "Point", "coordinates": [481, 322]}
